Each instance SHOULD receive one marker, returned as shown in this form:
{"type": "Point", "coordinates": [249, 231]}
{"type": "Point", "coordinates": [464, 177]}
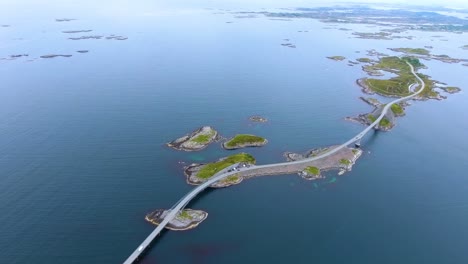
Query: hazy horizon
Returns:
{"type": "Point", "coordinates": [64, 8]}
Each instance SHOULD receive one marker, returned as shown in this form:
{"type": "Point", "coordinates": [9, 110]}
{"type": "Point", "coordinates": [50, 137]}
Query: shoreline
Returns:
{"type": "Point", "coordinates": [179, 223]}
{"type": "Point", "coordinates": [329, 163]}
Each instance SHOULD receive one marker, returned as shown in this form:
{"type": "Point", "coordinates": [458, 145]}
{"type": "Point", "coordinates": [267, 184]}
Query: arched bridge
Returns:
{"type": "Point", "coordinates": [226, 173]}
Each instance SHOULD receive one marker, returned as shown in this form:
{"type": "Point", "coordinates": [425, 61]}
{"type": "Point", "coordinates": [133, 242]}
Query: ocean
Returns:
{"type": "Point", "coordinates": [83, 155]}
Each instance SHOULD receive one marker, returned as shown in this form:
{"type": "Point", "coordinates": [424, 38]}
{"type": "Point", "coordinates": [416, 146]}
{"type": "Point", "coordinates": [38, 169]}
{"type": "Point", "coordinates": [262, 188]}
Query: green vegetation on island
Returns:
{"type": "Point", "coordinates": [417, 51]}
{"type": "Point", "coordinates": [184, 215]}
{"type": "Point", "coordinates": [184, 220]}
{"type": "Point", "coordinates": [210, 169]}
{"type": "Point", "coordinates": [204, 138]}
{"type": "Point", "coordinates": [373, 35]}
{"type": "Point", "coordinates": [397, 109]}
{"type": "Point", "coordinates": [244, 140]}
{"type": "Point", "coordinates": [426, 54]}
{"type": "Point", "coordinates": [231, 179]}
{"type": "Point", "coordinates": [371, 118]}
{"type": "Point", "coordinates": [364, 60]}
{"type": "Point", "coordinates": [197, 140]}
{"type": "Point", "coordinates": [312, 170]}
{"type": "Point", "coordinates": [451, 89]}
{"type": "Point", "coordinates": [385, 123]}
{"type": "Point", "coordinates": [337, 58]}
{"type": "Point", "coordinates": [345, 162]}
{"type": "Point", "coordinates": [397, 86]}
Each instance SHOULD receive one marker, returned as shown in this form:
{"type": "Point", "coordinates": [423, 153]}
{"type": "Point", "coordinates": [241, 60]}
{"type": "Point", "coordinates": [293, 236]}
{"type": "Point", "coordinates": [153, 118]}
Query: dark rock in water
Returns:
{"type": "Point", "coordinates": [54, 55]}
{"type": "Point", "coordinates": [64, 19]}
{"type": "Point", "coordinates": [98, 37]}
{"type": "Point", "coordinates": [18, 56]}
{"type": "Point", "coordinates": [257, 118]}
{"type": "Point", "coordinates": [5, 25]}
{"type": "Point", "coordinates": [289, 45]}
{"type": "Point", "coordinates": [86, 37]}
{"type": "Point", "coordinates": [117, 37]}
{"type": "Point", "coordinates": [76, 31]}
{"type": "Point", "coordinates": [82, 51]}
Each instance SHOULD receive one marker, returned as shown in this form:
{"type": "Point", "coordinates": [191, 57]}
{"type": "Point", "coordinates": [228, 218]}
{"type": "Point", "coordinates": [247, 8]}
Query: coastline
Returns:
{"type": "Point", "coordinates": [329, 163]}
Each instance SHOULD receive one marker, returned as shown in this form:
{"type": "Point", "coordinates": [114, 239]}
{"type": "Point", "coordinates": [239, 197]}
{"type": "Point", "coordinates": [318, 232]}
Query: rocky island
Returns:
{"type": "Point", "coordinates": [185, 220]}
{"type": "Point", "coordinates": [64, 19]}
{"type": "Point", "coordinates": [197, 140]}
{"type": "Point", "coordinates": [337, 58]}
{"type": "Point", "coordinates": [386, 123]}
{"type": "Point", "coordinates": [289, 45]}
{"type": "Point", "coordinates": [451, 89]}
{"type": "Point", "coordinates": [259, 119]}
{"type": "Point", "coordinates": [199, 173]}
{"type": "Point", "coordinates": [243, 141]}
{"type": "Point", "coordinates": [343, 160]}
{"type": "Point", "coordinates": [423, 53]}
{"type": "Point", "coordinates": [311, 173]}
{"type": "Point", "coordinates": [51, 56]}
{"type": "Point", "coordinates": [76, 31]}
{"type": "Point", "coordinates": [398, 86]}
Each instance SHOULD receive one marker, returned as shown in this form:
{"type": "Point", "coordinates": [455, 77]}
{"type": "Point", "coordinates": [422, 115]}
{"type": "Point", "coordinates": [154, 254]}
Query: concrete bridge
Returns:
{"type": "Point", "coordinates": [226, 173]}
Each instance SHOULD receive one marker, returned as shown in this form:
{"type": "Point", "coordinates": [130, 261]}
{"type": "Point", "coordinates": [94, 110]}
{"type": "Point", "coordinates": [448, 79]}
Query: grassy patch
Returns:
{"type": "Point", "coordinates": [337, 58]}
{"type": "Point", "coordinates": [232, 178]}
{"type": "Point", "coordinates": [204, 138]}
{"type": "Point", "coordinates": [452, 89]}
{"type": "Point", "coordinates": [384, 122]}
{"type": "Point", "coordinates": [244, 139]}
{"type": "Point", "coordinates": [184, 215]}
{"type": "Point", "coordinates": [371, 117]}
{"type": "Point", "coordinates": [413, 61]}
{"type": "Point", "coordinates": [398, 85]}
{"type": "Point", "coordinates": [312, 170]}
{"type": "Point", "coordinates": [397, 109]}
{"type": "Point", "coordinates": [365, 60]}
{"type": "Point", "coordinates": [345, 162]}
{"type": "Point", "coordinates": [212, 168]}
{"type": "Point", "coordinates": [355, 151]}
{"type": "Point", "coordinates": [417, 51]}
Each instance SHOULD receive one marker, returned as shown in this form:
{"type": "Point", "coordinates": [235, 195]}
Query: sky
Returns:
{"type": "Point", "coordinates": [67, 8]}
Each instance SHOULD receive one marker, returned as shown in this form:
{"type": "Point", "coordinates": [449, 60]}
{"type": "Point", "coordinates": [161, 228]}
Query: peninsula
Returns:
{"type": "Point", "coordinates": [400, 85]}
{"type": "Point", "coordinates": [197, 140]}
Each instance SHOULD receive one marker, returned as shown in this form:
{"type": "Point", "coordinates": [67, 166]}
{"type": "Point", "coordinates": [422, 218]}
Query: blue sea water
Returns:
{"type": "Point", "coordinates": [82, 155]}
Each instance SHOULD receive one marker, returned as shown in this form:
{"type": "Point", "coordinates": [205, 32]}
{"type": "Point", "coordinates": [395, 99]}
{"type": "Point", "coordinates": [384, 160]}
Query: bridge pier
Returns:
{"type": "Point", "coordinates": [357, 144]}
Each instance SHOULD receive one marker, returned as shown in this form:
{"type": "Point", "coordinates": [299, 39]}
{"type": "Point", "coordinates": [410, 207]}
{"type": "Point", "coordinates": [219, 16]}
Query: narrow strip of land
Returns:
{"type": "Point", "coordinates": [225, 173]}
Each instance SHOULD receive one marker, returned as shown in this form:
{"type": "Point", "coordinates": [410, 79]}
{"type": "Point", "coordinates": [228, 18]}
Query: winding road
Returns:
{"type": "Point", "coordinates": [224, 173]}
